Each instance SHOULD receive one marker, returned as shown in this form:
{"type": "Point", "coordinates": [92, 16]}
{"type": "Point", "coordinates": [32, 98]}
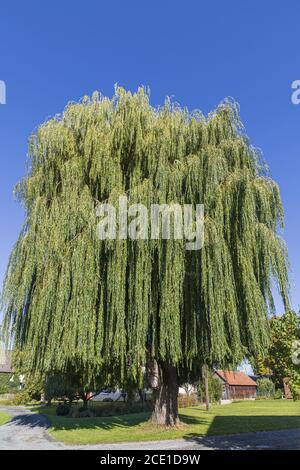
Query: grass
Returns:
{"type": "Point", "coordinates": [6, 402]}
{"type": "Point", "coordinates": [4, 418]}
{"type": "Point", "coordinates": [238, 417]}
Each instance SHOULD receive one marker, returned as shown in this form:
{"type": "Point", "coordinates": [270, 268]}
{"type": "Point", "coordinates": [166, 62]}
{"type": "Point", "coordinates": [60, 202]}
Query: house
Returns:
{"type": "Point", "coordinates": [9, 382]}
{"type": "Point", "coordinates": [6, 375]}
{"type": "Point", "coordinates": [236, 385]}
{"type": "Point", "coordinates": [109, 395]}
{"type": "Point", "coordinates": [5, 363]}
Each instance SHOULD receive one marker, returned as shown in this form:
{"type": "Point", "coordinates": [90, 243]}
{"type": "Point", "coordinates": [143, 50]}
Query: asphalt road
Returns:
{"type": "Point", "coordinates": [28, 430]}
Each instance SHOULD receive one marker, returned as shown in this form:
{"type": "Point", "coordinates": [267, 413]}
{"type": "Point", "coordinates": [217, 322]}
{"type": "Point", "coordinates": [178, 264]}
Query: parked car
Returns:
{"type": "Point", "coordinates": [111, 395]}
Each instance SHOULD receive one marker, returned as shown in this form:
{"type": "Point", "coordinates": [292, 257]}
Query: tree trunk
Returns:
{"type": "Point", "coordinates": [85, 400]}
{"type": "Point", "coordinates": [165, 410]}
{"type": "Point", "coordinates": [205, 378]}
{"type": "Point", "coordinates": [130, 396]}
{"type": "Point", "coordinates": [141, 395]}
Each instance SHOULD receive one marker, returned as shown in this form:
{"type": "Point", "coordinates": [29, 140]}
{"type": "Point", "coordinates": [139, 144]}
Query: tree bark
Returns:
{"type": "Point", "coordinates": [165, 412]}
{"type": "Point", "coordinates": [85, 400]}
{"type": "Point", "coordinates": [142, 395]}
{"type": "Point", "coordinates": [205, 378]}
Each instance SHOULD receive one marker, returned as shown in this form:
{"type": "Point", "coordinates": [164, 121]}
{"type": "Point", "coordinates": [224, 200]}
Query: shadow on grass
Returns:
{"type": "Point", "coordinates": [232, 432]}
{"type": "Point", "coordinates": [104, 424]}
{"type": "Point", "coordinates": [219, 424]}
{"type": "Point", "coordinates": [117, 422]}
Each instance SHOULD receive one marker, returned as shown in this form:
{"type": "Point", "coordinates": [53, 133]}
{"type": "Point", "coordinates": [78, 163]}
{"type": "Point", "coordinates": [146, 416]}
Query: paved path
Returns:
{"type": "Point", "coordinates": [28, 430]}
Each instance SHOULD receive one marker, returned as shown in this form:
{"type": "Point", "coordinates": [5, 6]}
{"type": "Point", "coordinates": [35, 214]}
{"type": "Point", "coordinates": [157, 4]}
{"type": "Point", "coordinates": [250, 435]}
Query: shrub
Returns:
{"type": "Point", "coordinates": [4, 387]}
{"type": "Point", "coordinates": [8, 383]}
{"type": "Point", "coordinates": [22, 398]}
{"type": "Point", "coordinates": [117, 409]}
{"type": "Point", "coordinates": [295, 389]}
{"type": "Point", "coordinates": [63, 409]}
{"type": "Point", "coordinates": [265, 388]}
{"type": "Point", "coordinates": [187, 400]}
{"type": "Point", "coordinates": [74, 412]}
{"type": "Point", "coordinates": [86, 413]}
{"type": "Point", "coordinates": [278, 394]}
{"type": "Point", "coordinates": [31, 393]}
{"type": "Point", "coordinates": [100, 410]}
{"type": "Point", "coordinates": [107, 400]}
{"type": "Point", "coordinates": [107, 411]}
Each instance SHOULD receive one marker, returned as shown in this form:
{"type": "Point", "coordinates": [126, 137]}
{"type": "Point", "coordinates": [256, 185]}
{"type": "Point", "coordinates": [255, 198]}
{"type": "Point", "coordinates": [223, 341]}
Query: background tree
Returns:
{"type": "Point", "coordinates": [285, 333]}
{"type": "Point", "coordinates": [70, 387]}
{"type": "Point", "coordinates": [265, 388]}
{"type": "Point", "coordinates": [214, 388]}
{"type": "Point", "coordinates": [9, 383]}
{"type": "Point", "coordinates": [30, 390]}
{"type": "Point", "coordinates": [189, 390]}
{"type": "Point", "coordinates": [259, 366]}
{"type": "Point", "coordinates": [73, 302]}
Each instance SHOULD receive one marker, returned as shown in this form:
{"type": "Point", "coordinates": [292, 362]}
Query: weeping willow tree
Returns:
{"type": "Point", "coordinates": [115, 308]}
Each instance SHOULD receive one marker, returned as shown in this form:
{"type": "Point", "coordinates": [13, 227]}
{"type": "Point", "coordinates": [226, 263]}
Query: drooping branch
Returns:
{"type": "Point", "coordinates": [73, 302]}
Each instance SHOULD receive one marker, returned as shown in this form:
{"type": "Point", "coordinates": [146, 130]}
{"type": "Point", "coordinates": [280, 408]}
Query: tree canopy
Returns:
{"type": "Point", "coordinates": [284, 350]}
{"type": "Point", "coordinates": [73, 302]}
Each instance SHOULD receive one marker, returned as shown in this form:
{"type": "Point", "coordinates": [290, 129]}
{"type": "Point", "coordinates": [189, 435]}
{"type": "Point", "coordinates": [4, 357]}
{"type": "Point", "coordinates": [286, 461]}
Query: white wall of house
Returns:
{"type": "Point", "coordinates": [187, 389]}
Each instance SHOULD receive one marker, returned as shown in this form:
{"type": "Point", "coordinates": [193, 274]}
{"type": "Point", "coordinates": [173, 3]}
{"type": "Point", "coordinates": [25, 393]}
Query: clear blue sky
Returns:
{"type": "Point", "coordinates": [198, 52]}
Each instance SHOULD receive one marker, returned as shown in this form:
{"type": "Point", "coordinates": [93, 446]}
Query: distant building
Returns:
{"type": "Point", "coordinates": [14, 381]}
{"type": "Point", "coordinates": [5, 360]}
{"type": "Point", "coordinates": [236, 385]}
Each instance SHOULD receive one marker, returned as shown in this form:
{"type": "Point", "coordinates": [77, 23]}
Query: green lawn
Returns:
{"type": "Point", "coordinates": [4, 418]}
{"type": "Point", "coordinates": [221, 419]}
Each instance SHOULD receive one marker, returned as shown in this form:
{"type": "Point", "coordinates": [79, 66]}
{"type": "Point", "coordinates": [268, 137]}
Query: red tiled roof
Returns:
{"type": "Point", "coordinates": [236, 377]}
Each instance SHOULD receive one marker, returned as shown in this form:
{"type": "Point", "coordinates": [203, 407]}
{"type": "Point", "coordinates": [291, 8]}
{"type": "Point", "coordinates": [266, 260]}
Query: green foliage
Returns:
{"type": "Point", "coordinates": [8, 383]}
{"type": "Point", "coordinates": [85, 413]}
{"type": "Point", "coordinates": [23, 397]}
{"type": "Point", "coordinates": [278, 394]}
{"type": "Point", "coordinates": [34, 386]}
{"type": "Point", "coordinates": [4, 418]}
{"type": "Point", "coordinates": [30, 393]}
{"type": "Point", "coordinates": [214, 388]}
{"type": "Point", "coordinates": [62, 409]}
{"type": "Point", "coordinates": [295, 386]}
{"type": "Point", "coordinates": [104, 408]}
{"type": "Point", "coordinates": [282, 355]}
{"type": "Point", "coordinates": [265, 388]}
{"type": "Point", "coordinates": [4, 383]}
{"type": "Point", "coordinates": [72, 302]}
{"type": "Point", "coordinates": [259, 367]}
{"type": "Point", "coordinates": [68, 386]}
{"type": "Point", "coordinates": [119, 409]}
{"type": "Point", "coordinates": [61, 386]}
{"type": "Point", "coordinates": [238, 417]}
